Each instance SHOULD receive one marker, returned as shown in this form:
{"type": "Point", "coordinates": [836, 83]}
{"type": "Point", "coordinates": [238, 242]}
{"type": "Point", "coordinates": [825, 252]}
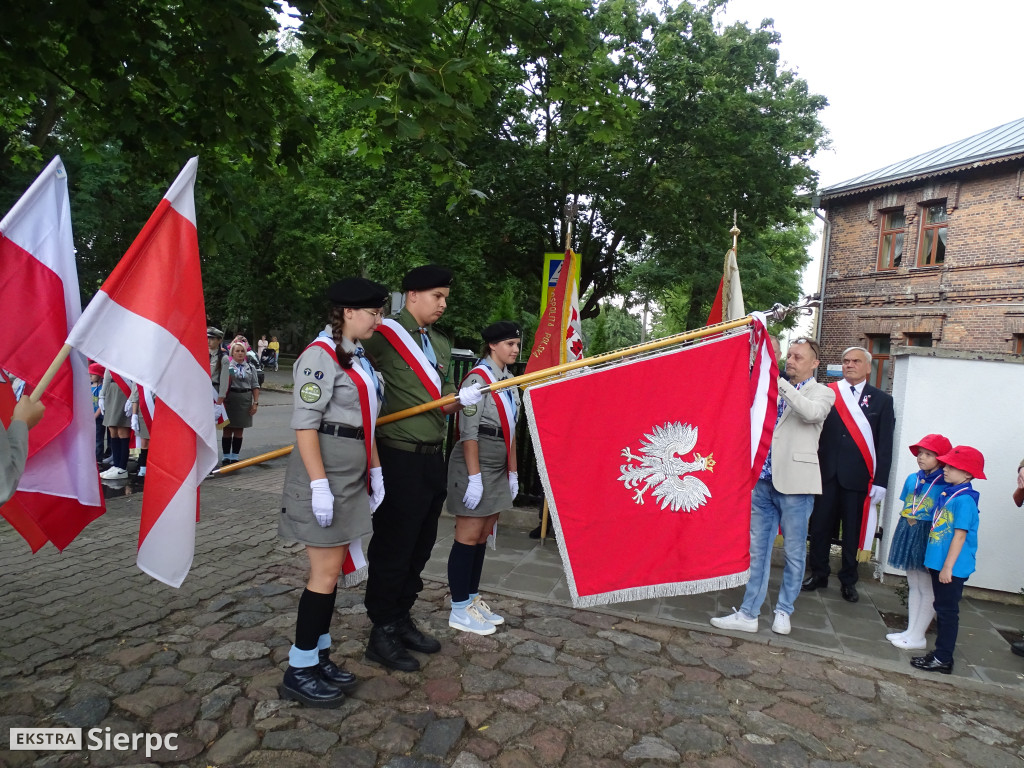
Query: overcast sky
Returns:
{"type": "Point", "coordinates": [902, 77]}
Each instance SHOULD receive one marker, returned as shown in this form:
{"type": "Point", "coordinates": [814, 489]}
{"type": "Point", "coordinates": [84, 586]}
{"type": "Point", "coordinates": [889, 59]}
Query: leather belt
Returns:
{"type": "Point", "coordinates": [338, 430]}
{"type": "Point", "coordinates": [428, 449]}
{"type": "Point", "coordinates": [490, 431]}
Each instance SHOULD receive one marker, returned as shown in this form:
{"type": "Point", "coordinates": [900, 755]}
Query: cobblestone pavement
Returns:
{"type": "Point", "coordinates": [89, 641]}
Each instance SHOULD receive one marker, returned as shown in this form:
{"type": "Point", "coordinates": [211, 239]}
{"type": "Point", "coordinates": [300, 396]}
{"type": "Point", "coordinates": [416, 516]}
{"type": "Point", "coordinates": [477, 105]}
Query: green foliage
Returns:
{"type": "Point", "coordinates": [613, 328]}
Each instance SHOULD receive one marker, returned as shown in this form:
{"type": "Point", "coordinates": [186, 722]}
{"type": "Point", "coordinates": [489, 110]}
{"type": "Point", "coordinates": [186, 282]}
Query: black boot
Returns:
{"type": "Point", "coordinates": [329, 671]}
{"type": "Point", "coordinates": [305, 685]}
{"type": "Point", "coordinates": [413, 639]}
{"type": "Point", "coordinates": [385, 647]}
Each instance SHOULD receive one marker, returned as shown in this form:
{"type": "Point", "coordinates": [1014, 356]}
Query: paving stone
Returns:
{"type": "Point", "coordinates": [216, 702]}
{"type": "Point", "coordinates": [487, 681]}
{"type": "Point", "coordinates": [241, 650]}
{"type": "Point", "coordinates": [693, 739]}
{"type": "Point", "coordinates": [631, 641]}
{"type": "Point", "coordinates": [599, 739]}
{"type": "Point", "coordinates": [309, 739]}
{"type": "Point", "coordinates": [145, 702]}
{"type": "Point", "coordinates": [351, 757]}
{"type": "Point", "coordinates": [530, 668]}
{"type": "Point", "coordinates": [234, 745]}
{"type": "Point", "coordinates": [536, 650]}
{"type": "Point", "coordinates": [394, 738]}
{"type": "Point", "coordinates": [84, 714]}
{"type": "Point", "coordinates": [204, 682]}
{"type": "Point", "coordinates": [440, 736]}
{"type": "Point", "coordinates": [175, 717]}
{"type": "Point", "coordinates": [650, 748]}
{"type": "Point", "coordinates": [468, 760]}
{"type": "Point", "coordinates": [383, 688]}
{"type": "Point", "coordinates": [412, 762]}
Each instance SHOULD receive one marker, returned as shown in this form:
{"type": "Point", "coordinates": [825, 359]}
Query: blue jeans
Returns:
{"type": "Point", "coordinates": [770, 510]}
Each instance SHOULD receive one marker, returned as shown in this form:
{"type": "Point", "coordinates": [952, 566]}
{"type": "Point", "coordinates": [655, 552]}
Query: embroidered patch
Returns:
{"type": "Point", "coordinates": [306, 371]}
{"type": "Point", "coordinates": [470, 410]}
{"type": "Point", "coordinates": [318, 375]}
{"type": "Point", "coordinates": [310, 392]}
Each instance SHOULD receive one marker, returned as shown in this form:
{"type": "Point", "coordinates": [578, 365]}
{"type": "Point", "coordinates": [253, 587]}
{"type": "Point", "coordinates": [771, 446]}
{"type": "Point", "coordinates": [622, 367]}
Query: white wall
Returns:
{"type": "Point", "coordinates": [972, 402]}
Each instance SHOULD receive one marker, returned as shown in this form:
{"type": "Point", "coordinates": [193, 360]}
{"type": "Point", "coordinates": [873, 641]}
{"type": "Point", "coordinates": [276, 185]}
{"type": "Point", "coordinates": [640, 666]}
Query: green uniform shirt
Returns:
{"type": "Point", "coordinates": [403, 387]}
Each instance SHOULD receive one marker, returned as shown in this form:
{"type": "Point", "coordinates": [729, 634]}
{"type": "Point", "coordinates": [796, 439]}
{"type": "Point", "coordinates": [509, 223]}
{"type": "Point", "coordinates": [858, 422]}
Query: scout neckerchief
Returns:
{"type": "Point", "coordinates": [412, 353]}
{"type": "Point", "coordinates": [354, 568]}
{"type": "Point", "coordinates": [915, 500]}
{"type": "Point", "coordinates": [505, 413]}
{"type": "Point", "coordinates": [860, 430]}
{"type": "Point", "coordinates": [367, 390]}
{"type": "Point", "coordinates": [949, 494]}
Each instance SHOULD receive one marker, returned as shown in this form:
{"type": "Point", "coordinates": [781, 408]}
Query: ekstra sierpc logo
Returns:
{"type": "Point", "coordinates": [69, 739]}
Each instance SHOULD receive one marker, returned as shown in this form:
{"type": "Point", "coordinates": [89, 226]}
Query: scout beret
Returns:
{"type": "Point", "coordinates": [214, 333]}
{"type": "Point", "coordinates": [357, 292]}
{"type": "Point", "coordinates": [426, 277]}
{"type": "Point", "coordinates": [501, 331]}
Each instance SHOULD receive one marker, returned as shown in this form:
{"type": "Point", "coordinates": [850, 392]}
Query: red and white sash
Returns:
{"type": "Point", "coordinates": [860, 430]}
{"type": "Point", "coordinates": [354, 568]}
{"type": "Point", "coordinates": [505, 414]}
{"type": "Point", "coordinates": [146, 407]}
{"type": "Point", "coordinates": [410, 351]}
{"type": "Point", "coordinates": [123, 384]}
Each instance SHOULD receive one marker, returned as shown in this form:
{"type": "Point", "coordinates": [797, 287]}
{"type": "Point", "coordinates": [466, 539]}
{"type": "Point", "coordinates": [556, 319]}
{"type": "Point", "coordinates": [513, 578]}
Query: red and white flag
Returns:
{"type": "Point", "coordinates": [661, 504]}
{"type": "Point", "coordinates": [148, 323]}
{"type": "Point", "coordinates": [559, 335]}
{"type": "Point", "coordinates": [59, 490]}
{"type": "Point", "coordinates": [728, 304]}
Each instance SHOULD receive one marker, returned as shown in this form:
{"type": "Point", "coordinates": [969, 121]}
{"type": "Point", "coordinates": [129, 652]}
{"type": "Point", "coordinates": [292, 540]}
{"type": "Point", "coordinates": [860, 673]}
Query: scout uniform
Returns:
{"type": "Point", "coordinates": [13, 452]}
{"type": "Point", "coordinates": [338, 396]}
{"type": "Point", "coordinates": [326, 399]}
{"type": "Point", "coordinates": [238, 382]}
{"type": "Point", "coordinates": [416, 364]}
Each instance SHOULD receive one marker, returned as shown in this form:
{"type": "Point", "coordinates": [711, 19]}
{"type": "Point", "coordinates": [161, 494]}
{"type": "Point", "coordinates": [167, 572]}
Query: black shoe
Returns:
{"type": "Point", "coordinates": [849, 593]}
{"type": "Point", "coordinates": [345, 681]}
{"type": "Point", "coordinates": [812, 583]}
{"type": "Point", "coordinates": [415, 640]}
{"type": "Point", "coordinates": [1018, 647]}
{"type": "Point", "coordinates": [385, 647]}
{"type": "Point", "coordinates": [930, 664]}
{"type": "Point", "coordinates": [305, 685]}
{"type": "Point", "coordinates": [225, 462]}
{"type": "Point", "coordinates": [535, 533]}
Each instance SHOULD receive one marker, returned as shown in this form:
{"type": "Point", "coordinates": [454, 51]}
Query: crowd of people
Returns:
{"type": "Point", "coordinates": [827, 467]}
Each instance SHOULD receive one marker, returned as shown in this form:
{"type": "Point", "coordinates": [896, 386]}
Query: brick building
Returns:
{"type": "Point", "coordinates": [928, 252]}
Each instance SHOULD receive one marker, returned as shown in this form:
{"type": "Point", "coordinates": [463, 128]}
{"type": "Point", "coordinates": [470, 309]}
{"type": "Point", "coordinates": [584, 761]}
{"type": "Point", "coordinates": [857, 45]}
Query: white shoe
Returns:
{"type": "Point", "coordinates": [485, 611]}
{"type": "Point", "coordinates": [468, 619]}
{"type": "Point", "coordinates": [142, 471]}
{"type": "Point", "coordinates": [114, 473]}
{"type": "Point", "coordinates": [909, 644]}
{"type": "Point", "coordinates": [735, 621]}
{"type": "Point", "coordinates": [892, 637]}
{"type": "Point", "coordinates": [781, 625]}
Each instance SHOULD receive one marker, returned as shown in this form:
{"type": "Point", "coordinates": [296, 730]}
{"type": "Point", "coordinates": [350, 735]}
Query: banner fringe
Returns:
{"type": "Point", "coordinates": [355, 578]}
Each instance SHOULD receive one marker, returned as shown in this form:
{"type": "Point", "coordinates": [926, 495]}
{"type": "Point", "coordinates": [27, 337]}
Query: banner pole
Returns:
{"type": "Point", "coordinates": [47, 377]}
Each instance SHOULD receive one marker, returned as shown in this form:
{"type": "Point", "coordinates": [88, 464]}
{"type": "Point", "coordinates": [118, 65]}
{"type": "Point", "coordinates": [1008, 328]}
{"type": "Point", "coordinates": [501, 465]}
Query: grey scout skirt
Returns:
{"type": "Point", "coordinates": [345, 462]}
{"type": "Point", "coordinates": [494, 473]}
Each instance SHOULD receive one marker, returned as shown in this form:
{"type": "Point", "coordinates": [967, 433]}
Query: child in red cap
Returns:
{"type": "Point", "coordinates": [921, 492]}
{"type": "Point", "coordinates": [951, 552]}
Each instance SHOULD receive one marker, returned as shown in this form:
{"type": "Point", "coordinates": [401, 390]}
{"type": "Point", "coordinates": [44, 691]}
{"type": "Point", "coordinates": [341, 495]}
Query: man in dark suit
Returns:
{"type": "Point", "coordinates": [846, 480]}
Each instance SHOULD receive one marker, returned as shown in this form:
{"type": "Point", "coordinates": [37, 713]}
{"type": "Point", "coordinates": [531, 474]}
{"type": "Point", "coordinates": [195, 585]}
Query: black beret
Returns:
{"type": "Point", "coordinates": [501, 331]}
{"type": "Point", "coordinates": [426, 277]}
{"type": "Point", "coordinates": [357, 292]}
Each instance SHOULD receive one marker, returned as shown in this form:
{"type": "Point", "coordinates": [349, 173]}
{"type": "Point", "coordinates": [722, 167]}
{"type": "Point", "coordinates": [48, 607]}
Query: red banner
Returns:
{"type": "Point", "coordinates": [647, 470]}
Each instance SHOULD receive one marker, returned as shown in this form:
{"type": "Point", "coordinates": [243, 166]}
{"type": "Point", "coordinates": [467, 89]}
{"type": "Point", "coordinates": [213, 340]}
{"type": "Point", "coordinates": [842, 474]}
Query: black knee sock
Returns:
{"type": "Point", "coordinates": [123, 449]}
{"type": "Point", "coordinates": [225, 444]}
{"type": "Point", "coordinates": [313, 606]}
{"type": "Point", "coordinates": [236, 444]}
{"type": "Point", "coordinates": [478, 568]}
{"type": "Point", "coordinates": [328, 612]}
{"type": "Point", "coordinates": [143, 456]}
{"type": "Point", "coordinates": [460, 570]}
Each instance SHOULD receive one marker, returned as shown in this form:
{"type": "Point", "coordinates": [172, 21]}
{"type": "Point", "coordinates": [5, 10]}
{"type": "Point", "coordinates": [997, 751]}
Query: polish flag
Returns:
{"type": "Point", "coordinates": [728, 304]}
{"type": "Point", "coordinates": [59, 490]}
{"type": "Point", "coordinates": [148, 323]}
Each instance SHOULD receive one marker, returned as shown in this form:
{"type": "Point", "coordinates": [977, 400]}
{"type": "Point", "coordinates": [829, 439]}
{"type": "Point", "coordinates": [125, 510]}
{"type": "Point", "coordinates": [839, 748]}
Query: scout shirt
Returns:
{"type": "Point", "coordinates": [324, 393]}
{"type": "Point", "coordinates": [13, 452]}
{"type": "Point", "coordinates": [920, 495]}
{"type": "Point", "coordinates": [405, 389]}
{"type": "Point", "coordinates": [485, 413]}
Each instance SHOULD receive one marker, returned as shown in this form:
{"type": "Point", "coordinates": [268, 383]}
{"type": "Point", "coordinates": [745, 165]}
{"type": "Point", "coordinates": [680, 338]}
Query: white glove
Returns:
{"type": "Point", "coordinates": [376, 488]}
{"type": "Point", "coordinates": [469, 395]}
{"type": "Point", "coordinates": [513, 484]}
{"type": "Point", "coordinates": [474, 492]}
{"type": "Point", "coordinates": [323, 502]}
{"type": "Point", "coordinates": [135, 422]}
{"type": "Point", "coordinates": [128, 408]}
{"type": "Point", "coordinates": [100, 404]}
{"type": "Point", "coordinates": [877, 494]}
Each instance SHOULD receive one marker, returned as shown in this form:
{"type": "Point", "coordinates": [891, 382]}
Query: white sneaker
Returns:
{"type": "Point", "coordinates": [735, 621]}
{"type": "Point", "coordinates": [781, 624]}
{"type": "Point", "coordinates": [114, 473]}
{"type": "Point", "coordinates": [485, 611]}
{"type": "Point", "coordinates": [468, 619]}
{"type": "Point", "coordinates": [892, 637]}
{"type": "Point", "coordinates": [909, 644]}
{"type": "Point", "coordinates": [142, 471]}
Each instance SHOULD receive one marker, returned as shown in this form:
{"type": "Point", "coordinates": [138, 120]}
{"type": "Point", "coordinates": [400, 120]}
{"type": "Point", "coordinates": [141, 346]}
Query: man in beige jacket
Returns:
{"type": "Point", "coordinates": [14, 445]}
{"type": "Point", "coordinates": [784, 494]}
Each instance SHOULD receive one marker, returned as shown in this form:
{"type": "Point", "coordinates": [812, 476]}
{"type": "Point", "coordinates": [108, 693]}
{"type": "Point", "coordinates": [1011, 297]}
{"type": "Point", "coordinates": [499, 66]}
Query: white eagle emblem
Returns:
{"type": "Point", "coordinates": [662, 468]}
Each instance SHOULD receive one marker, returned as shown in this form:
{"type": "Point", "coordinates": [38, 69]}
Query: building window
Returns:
{"type": "Point", "coordinates": [918, 339]}
{"type": "Point", "coordinates": [890, 250]}
{"type": "Point", "coordinates": [1018, 343]}
{"type": "Point", "coordinates": [879, 346]}
{"type": "Point", "coordinates": [933, 235]}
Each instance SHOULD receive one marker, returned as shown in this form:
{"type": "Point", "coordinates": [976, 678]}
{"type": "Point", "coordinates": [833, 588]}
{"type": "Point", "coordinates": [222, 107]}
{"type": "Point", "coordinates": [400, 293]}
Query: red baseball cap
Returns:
{"type": "Point", "coordinates": [965, 458]}
{"type": "Point", "coordinates": [937, 444]}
